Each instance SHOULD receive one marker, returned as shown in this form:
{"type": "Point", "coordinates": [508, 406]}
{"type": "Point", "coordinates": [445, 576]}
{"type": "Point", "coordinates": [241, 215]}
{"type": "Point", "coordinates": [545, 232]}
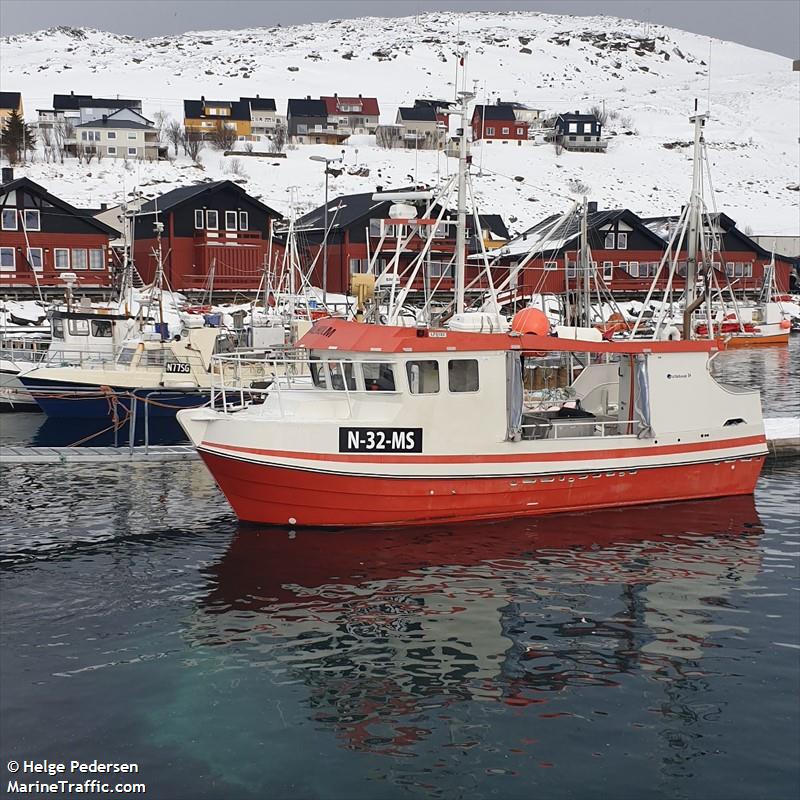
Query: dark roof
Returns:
{"type": "Point", "coordinates": [35, 188]}
{"type": "Point", "coordinates": [417, 113]}
{"type": "Point", "coordinates": [305, 107]}
{"type": "Point", "coordinates": [73, 102]}
{"type": "Point", "coordinates": [115, 123]}
{"type": "Point", "coordinates": [9, 99]}
{"type": "Point", "coordinates": [577, 117]}
{"type": "Point", "coordinates": [502, 113]}
{"type": "Point", "coordinates": [260, 103]}
{"type": "Point", "coordinates": [240, 109]}
{"type": "Point", "coordinates": [495, 223]}
{"type": "Point", "coordinates": [178, 197]}
{"type": "Point", "coordinates": [422, 102]}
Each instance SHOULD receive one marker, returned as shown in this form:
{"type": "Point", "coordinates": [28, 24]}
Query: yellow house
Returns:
{"type": "Point", "coordinates": [9, 102]}
{"type": "Point", "coordinates": [207, 116]}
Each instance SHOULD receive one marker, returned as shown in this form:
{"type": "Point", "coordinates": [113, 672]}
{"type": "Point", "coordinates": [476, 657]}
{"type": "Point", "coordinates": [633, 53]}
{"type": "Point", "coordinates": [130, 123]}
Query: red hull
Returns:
{"type": "Point", "coordinates": [276, 495]}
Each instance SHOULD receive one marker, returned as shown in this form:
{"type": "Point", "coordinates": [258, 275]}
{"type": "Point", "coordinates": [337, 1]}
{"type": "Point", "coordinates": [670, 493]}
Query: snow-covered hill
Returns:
{"type": "Point", "coordinates": [647, 76]}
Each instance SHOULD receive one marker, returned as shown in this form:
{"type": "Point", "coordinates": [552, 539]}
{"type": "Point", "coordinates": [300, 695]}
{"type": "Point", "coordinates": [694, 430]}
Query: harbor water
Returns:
{"type": "Point", "coordinates": [650, 652]}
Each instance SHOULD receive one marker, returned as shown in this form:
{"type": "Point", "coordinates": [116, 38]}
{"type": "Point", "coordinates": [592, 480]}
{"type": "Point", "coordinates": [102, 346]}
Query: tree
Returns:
{"type": "Point", "coordinates": [62, 131]}
{"type": "Point", "coordinates": [17, 137]}
{"type": "Point", "coordinates": [192, 143]}
{"type": "Point", "coordinates": [160, 122]}
{"type": "Point", "coordinates": [278, 139]}
{"type": "Point", "coordinates": [174, 134]}
{"type": "Point", "coordinates": [223, 137]}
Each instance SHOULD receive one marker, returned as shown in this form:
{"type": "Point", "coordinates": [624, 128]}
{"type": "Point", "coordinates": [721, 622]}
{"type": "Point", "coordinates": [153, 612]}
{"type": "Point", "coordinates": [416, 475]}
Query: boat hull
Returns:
{"type": "Point", "coordinates": [755, 340]}
{"type": "Point", "coordinates": [280, 495]}
{"type": "Point", "coordinates": [64, 400]}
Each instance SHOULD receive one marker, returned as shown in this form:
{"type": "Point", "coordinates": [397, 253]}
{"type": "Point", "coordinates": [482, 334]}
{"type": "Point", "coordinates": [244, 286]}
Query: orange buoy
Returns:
{"type": "Point", "coordinates": [531, 320]}
{"type": "Point", "coordinates": [785, 324]}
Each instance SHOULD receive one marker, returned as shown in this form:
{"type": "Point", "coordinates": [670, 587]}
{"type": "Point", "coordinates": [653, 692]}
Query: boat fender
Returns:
{"type": "Point", "coordinates": [670, 334]}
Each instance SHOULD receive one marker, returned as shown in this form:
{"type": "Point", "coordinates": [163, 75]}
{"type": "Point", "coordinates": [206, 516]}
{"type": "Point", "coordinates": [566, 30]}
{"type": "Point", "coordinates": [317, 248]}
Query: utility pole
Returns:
{"type": "Point", "coordinates": [691, 302]}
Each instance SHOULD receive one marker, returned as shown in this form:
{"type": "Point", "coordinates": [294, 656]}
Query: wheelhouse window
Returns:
{"type": "Point", "coordinates": [423, 377]}
{"type": "Point", "coordinates": [61, 257]}
{"type": "Point", "coordinates": [198, 219]}
{"type": "Point", "coordinates": [212, 220]}
{"type": "Point", "coordinates": [378, 377]}
{"type": "Point", "coordinates": [462, 374]}
{"type": "Point", "coordinates": [7, 259]}
{"type": "Point", "coordinates": [78, 327]}
{"type": "Point", "coordinates": [96, 260]}
{"type": "Point", "coordinates": [101, 328]}
{"type": "Point", "coordinates": [9, 219]}
{"type": "Point", "coordinates": [342, 374]}
{"type": "Point", "coordinates": [230, 220]}
{"type": "Point", "coordinates": [57, 327]}
{"type": "Point", "coordinates": [35, 258]}
{"type": "Point", "coordinates": [126, 355]}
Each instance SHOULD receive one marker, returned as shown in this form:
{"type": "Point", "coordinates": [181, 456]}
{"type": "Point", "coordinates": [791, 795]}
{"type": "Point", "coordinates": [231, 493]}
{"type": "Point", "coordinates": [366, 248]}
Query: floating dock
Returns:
{"type": "Point", "coordinates": [783, 440]}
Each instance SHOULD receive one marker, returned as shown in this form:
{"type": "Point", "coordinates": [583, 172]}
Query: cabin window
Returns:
{"type": "Point", "coordinates": [318, 376]}
{"type": "Point", "coordinates": [9, 219]}
{"type": "Point", "coordinates": [423, 377]}
{"type": "Point", "coordinates": [35, 258]}
{"type": "Point", "coordinates": [622, 241]}
{"type": "Point", "coordinates": [80, 259]}
{"type": "Point", "coordinates": [609, 242]}
{"type": "Point", "coordinates": [244, 221]}
{"type": "Point", "coordinates": [126, 355]}
{"type": "Point", "coordinates": [62, 257]}
{"type": "Point", "coordinates": [608, 270]}
{"type": "Point", "coordinates": [7, 259]}
{"type": "Point", "coordinates": [462, 374]}
{"type": "Point", "coordinates": [79, 327]}
{"type": "Point", "coordinates": [342, 372]}
{"type": "Point", "coordinates": [198, 219]}
{"type": "Point", "coordinates": [378, 377]}
{"type": "Point", "coordinates": [57, 327]}
{"type": "Point", "coordinates": [230, 220]}
{"type": "Point", "coordinates": [96, 258]}
{"type": "Point", "coordinates": [551, 266]}
{"type": "Point", "coordinates": [31, 221]}
{"type": "Point", "coordinates": [212, 220]}
{"type": "Point", "coordinates": [101, 328]}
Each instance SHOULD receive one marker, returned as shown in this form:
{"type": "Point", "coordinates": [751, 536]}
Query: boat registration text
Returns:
{"type": "Point", "coordinates": [380, 440]}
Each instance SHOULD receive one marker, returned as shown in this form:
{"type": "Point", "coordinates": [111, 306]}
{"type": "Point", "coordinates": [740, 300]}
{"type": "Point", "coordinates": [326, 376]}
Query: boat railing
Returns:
{"type": "Point", "coordinates": [535, 427]}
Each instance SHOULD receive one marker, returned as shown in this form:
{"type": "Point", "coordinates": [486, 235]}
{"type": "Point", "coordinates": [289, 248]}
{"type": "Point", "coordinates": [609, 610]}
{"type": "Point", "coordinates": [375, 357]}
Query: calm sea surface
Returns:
{"type": "Point", "coordinates": [650, 653]}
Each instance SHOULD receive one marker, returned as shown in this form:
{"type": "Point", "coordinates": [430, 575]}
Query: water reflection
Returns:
{"type": "Point", "coordinates": [389, 631]}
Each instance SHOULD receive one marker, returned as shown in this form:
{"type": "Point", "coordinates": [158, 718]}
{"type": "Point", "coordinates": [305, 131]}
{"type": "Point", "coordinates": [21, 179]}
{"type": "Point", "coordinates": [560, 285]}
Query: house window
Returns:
{"type": "Point", "coordinates": [623, 265]}
{"type": "Point", "coordinates": [35, 258]}
{"type": "Point", "coordinates": [587, 138]}
{"type": "Point", "coordinates": [31, 221]}
{"type": "Point", "coordinates": [96, 259]}
{"type": "Point", "coordinates": [244, 221]}
{"type": "Point", "coordinates": [748, 270]}
{"type": "Point", "coordinates": [80, 259]}
{"type": "Point", "coordinates": [230, 220]}
{"type": "Point", "coordinates": [9, 219]}
{"type": "Point", "coordinates": [622, 241]}
{"type": "Point", "coordinates": [131, 135]}
{"type": "Point", "coordinates": [7, 259]}
{"type": "Point", "coordinates": [462, 374]}
{"type": "Point", "coordinates": [520, 131]}
{"type": "Point", "coordinates": [423, 377]}
{"type": "Point", "coordinates": [212, 220]}
{"type": "Point", "coordinates": [573, 127]}
{"type": "Point", "coordinates": [633, 269]}
{"type": "Point", "coordinates": [112, 151]}
{"type": "Point", "coordinates": [572, 269]}
{"type": "Point", "coordinates": [112, 134]}
{"type": "Point", "coordinates": [440, 269]}
{"type": "Point", "coordinates": [490, 131]}
{"type": "Point", "coordinates": [587, 127]}
{"type": "Point", "coordinates": [729, 268]}
{"type": "Point", "coordinates": [198, 219]}
{"type": "Point", "coordinates": [131, 151]}
{"type": "Point", "coordinates": [358, 265]}
{"type": "Point", "coordinates": [61, 257]}
{"type": "Point", "coordinates": [608, 270]}
{"type": "Point", "coordinates": [506, 131]}
{"type": "Point", "coordinates": [573, 138]}
{"type": "Point", "coordinates": [84, 136]}
{"type": "Point", "coordinates": [551, 266]}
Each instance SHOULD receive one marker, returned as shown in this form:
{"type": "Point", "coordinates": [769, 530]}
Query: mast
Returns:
{"type": "Point", "coordinates": [583, 274]}
{"type": "Point", "coordinates": [461, 220]}
{"type": "Point", "coordinates": [691, 301]}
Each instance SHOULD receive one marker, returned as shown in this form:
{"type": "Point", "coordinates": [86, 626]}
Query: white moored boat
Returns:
{"type": "Point", "coordinates": [408, 426]}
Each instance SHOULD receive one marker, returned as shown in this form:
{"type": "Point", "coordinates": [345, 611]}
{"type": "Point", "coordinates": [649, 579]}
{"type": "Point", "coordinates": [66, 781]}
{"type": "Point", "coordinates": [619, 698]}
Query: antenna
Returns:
{"type": "Point", "coordinates": [708, 101]}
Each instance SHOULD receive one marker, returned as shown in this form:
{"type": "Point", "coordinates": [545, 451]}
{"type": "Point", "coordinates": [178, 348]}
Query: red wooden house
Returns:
{"type": "Point", "coordinates": [497, 123]}
{"type": "Point", "coordinates": [360, 227]}
{"type": "Point", "coordinates": [42, 238]}
{"type": "Point", "coordinates": [214, 235]}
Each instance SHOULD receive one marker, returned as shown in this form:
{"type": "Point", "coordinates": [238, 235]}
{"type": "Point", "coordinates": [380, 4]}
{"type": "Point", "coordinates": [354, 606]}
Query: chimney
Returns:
{"type": "Point", "coordinates": [359, 96]}
{"type": "Point", "coordinates": [577, 112]}
{"type": "Point", "coordinates": [592, 207]}
{"type": "Point", "coordinates": [105, 118]}
{"type": "Point", "coordinates": [72, 91]}
{"type": "Point", "coordinates": [335, 94]}
{"type": "Point", "coordinates": [103, 206]}
{"type": "Point", "coordinates": [202, 98]}
{"type": "Point", "coordinates": [308, 97]}
{"type": "Point", "coordinates": [7, 175]}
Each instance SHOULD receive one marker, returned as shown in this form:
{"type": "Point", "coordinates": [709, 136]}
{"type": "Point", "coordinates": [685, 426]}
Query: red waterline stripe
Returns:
{"type": "Point", "coordinates": [494, 458]}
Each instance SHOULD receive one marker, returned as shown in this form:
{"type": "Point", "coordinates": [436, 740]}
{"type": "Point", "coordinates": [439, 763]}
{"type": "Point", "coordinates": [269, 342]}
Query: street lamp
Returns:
{"type": "Point", "coordinates": [327, 162]}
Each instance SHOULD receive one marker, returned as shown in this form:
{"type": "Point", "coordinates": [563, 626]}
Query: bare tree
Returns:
{"type": "Point", "coordinates": [235, 168]}
{"type": "Point", "coordinates": [600, 114]}
{"type": "Point", "coordinates": [47, 143]}
{"type": "Point", "coordinates": [174, 134]}
{"type": "Point", "coordinates": [192, 143]}
{"type": "Point", "coordinates": [387, 136]}
{"type": "Point", "coordinates": [160, 121]}
{"type": "Point", "coordinates": [278, 139]}
{"type": "Point", "coordinates": [223, 138]}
